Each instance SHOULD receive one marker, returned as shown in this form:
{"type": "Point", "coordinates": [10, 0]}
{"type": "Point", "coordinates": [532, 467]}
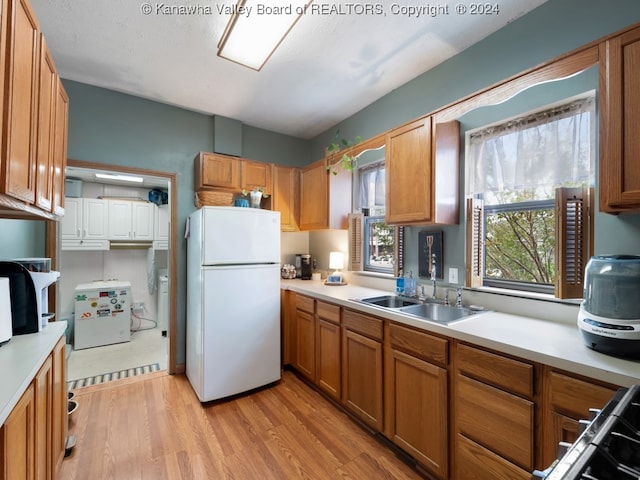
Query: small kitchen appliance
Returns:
{"type": "Point", "coordinates": [23, 298]}
{"type": "Point", "coordinates": [5, 311]}
{"type": "Point", "coordinates": [306, 269]}
{"type": "Point", "coordinates": [609, 316]}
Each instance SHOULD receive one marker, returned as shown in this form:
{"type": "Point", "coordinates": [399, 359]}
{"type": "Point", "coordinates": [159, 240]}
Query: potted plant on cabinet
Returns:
{"type": "Point", "coordinates": [346, 161]}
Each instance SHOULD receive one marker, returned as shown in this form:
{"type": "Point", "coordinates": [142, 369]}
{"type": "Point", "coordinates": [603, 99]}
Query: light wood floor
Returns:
{"type": "Point", "coordinates": [157, 429]}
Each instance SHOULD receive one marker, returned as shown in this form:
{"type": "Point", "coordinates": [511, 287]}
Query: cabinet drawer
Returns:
{"type": "Point", "coordinates": [500, 421]}
{"type": "Point", "coordinates": [512, 375]}
{"type": "Point", "coordinates": [474, 462]}
{"type": "Point", "coordinates": [305, 304]}
{"type": "Point", "coordinates": [420, 344]}
{"type": "Point", "coordinates": [328, 311]}
{"type": "Point", "coordinates": [369, 326]}
{"type": "Point", "coordinates": [574, 397]}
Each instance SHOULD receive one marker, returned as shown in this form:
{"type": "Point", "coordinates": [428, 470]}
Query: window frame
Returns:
{"type": "Point", "coordinates": [366, 266]}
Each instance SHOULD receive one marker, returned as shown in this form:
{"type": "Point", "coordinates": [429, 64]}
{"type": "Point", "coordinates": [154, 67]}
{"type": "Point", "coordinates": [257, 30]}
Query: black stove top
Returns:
{"type": "Point", "coordinates": [609, 448]}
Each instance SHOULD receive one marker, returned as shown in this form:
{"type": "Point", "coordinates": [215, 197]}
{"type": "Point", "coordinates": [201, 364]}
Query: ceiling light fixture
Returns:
{"type": "Point", "coordinates": [256, 29]}
{"type": "Point", "coordinates": [123, 178]}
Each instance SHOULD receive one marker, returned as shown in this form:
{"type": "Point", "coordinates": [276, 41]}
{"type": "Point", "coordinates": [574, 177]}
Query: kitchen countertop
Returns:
{"type": "Point", "coordinates": [21, 358]}
{"type": "Point", "coordinates": [557, 344]}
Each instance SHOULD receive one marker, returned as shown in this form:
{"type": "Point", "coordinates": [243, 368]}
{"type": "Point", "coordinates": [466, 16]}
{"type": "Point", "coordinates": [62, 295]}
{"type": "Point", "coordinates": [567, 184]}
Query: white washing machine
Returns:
{"type": "Point", "coordinates": [163, 304]}
{"type": "Point", "coordinates": [102, 313]}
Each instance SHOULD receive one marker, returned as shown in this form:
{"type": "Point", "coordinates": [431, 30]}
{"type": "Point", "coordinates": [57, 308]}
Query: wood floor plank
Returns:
{"type": "Point", "coordinates": [157, 429]}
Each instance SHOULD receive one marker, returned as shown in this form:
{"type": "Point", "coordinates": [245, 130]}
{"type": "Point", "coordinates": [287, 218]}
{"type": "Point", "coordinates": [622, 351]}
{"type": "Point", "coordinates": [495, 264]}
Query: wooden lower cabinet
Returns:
{"type": "Point", "coordinates": [568, 401]}
{"type": "Point", "coordinates": [305, 339]}
{"type": "Point", "coordinates": [494, 420]}
{"type": "Point", "coordinates": [362, 368]}
{"type": "Point", "coordinates": [18, 440]}
{"type": "Point", "coordinates": [32, 439]}
{"type": "Point", "coordinates": [59, 404]}
{"type": "Point", "coordinates": [420, 420]}
{"type": "Point", "coordinates": [416, 396]}
{"type": "Point", "coordinates": [328, 371]}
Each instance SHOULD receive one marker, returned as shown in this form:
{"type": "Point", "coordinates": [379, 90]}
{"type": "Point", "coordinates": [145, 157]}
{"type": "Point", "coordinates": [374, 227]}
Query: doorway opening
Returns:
{"type": "Point", "coordinates": [149, 267]}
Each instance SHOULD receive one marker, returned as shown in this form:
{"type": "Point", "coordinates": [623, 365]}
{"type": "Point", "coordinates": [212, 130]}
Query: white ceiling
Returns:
{"type": "Point", "coordinates": [328, 67]}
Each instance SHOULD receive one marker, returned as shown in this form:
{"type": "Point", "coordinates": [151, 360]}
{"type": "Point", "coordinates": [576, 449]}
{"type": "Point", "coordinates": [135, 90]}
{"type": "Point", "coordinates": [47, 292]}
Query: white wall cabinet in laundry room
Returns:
{"type": "Point", "coordinates": [84, 225]}
{"type": "Point", "coordinates": [161, 227]}
{"type": "Point", "coordinates": [131, 220]}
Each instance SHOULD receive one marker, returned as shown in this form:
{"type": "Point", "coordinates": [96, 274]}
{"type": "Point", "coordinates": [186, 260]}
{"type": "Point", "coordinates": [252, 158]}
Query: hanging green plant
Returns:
{"type": "Point", "coordinates": [346, 162]}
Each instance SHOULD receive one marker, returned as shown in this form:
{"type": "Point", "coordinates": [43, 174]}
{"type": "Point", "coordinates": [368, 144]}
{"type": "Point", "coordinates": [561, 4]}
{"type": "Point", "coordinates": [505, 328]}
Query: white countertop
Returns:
{"type": "Point", "coordinates": [21, 358]}
{"type": "Point", "coordinates": [557, 344]}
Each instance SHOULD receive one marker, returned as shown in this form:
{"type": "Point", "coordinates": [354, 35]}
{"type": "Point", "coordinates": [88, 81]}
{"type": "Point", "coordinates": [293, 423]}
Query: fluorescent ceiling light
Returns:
{"type": "Point", "coordinates": [124, 178]}
{"type": "Point", "coordinates": [257, 28]}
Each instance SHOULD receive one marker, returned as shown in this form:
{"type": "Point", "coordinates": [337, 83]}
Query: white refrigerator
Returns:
{"type": "Point", "coordinates": [233, 300]}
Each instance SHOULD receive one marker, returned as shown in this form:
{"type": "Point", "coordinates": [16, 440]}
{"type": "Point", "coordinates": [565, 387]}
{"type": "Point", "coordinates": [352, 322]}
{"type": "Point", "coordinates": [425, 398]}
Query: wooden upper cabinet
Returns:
{"type": "Point", "coordinates": [60, 130]}
{"type": "Point", "coordinates": [619, 108]}
{"type": "Point", "coordinates": [217, 171]}
{"type": "Point", "coordinates": [21, 37]}
{"type": "Point", "coordinates": [256, 175]}
{"type": "Point", "coordinates": [46, 125]}
{"type": "Point", "coordinates": [408, 172]}
{"type": "Point", "coordinates": [286, 188]}
{"type": "Point", "coordinates": [425, 157]}
{"type": "Point", "coordinates": [325, 198]}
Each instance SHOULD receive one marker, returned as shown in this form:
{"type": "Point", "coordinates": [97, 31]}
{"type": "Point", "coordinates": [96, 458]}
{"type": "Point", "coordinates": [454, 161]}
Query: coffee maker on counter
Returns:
{"type": "Point", "coordinates": [304, 266]}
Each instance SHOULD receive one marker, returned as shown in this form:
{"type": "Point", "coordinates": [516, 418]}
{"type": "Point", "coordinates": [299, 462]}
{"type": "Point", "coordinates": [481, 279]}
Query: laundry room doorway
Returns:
{"type": "Point", "coordinates": [126, 273]}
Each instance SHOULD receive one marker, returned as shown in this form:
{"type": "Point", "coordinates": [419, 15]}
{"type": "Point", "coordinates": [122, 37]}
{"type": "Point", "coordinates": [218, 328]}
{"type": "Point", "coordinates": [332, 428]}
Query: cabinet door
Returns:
{"type": "Point", "coordinates": [419, 421]}
{"type": "Point", "coordinates": [95, 220]}
{"type": "Point", "coordinates": [46, 121]}
{"type": "Point", "coordinates": [19, 136]}
{"type": "Point", "coordinates": [59, 404]}
{"type": "Point", "coordinates": [257, 175]}
{"type": "Point", "coordinates": [305, 353]}
{"type": "Point", "coordinates": [17, 438]}
{"type": "Point", "coordinates": [71, 223]}
{"type": "Point", "coordinates": [502, 422]}
{"type": "Point", "coordinates": [142, 220]}
{"type": "Point", "coordinates": [619, 109]}
{"type": "Point", "coordinates": [314, 196]}
{"type": "Point", "coordinates": [474, 462]}
{"type": "Point", "coordinates": [60, 148]}
{"type": "Point", "coordinates": [362, 377]}
{"type": "Point", "coordinates": [409, 174]}
{"type": "Point", "coordinates": [161, 224]}
{"type": "Point", "coordinates": [285, 197]}
{"type": "Point", "coordinates": [217, 171]}
{"type": "Point", "coordinates": [43, 409]}
{"type": "Point", "coordinates": [119, 223]}
{"type": "Point", "coordinates": [328, 361]}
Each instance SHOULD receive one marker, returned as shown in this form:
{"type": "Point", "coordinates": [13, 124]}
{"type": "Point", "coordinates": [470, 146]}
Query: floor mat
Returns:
{"type": "Point", "coordinates": [108, 377]}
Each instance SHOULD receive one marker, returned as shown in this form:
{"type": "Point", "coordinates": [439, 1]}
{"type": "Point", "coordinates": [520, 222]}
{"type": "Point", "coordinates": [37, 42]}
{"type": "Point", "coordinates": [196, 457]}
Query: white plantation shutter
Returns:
{"type": "Point", "coordinates": [475, 242]}
{"type": "Point", "coordinates": [355, 241]}
{"type": "Point", "coordinates": [573, 231]}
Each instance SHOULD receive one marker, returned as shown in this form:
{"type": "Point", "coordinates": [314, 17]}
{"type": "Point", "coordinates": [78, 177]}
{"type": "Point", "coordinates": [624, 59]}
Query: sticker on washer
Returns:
{"type": "Point", "coordinates": [81, 298]}
{"type": "Point", "coordinates": [104, 312]}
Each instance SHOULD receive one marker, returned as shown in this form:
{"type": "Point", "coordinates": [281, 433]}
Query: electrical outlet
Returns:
{"type": "Point", "coordinates": [453, 275]}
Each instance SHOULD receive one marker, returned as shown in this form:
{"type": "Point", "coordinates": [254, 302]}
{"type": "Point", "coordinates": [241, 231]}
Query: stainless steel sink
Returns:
{"type": "Point", "coordinates": [435, 312]}
{"type": "Point", "coordinates": [389, 301]}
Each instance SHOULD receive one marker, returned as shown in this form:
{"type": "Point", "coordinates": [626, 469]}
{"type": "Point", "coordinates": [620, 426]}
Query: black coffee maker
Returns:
{"type": "Point", "coordinates": [24, 307]}
{"type": "Point", "coordinates": [306, 268]}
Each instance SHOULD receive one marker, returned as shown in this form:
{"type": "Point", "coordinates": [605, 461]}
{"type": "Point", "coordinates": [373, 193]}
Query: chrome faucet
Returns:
{"type": "Point", "coordinates": [433, 275]}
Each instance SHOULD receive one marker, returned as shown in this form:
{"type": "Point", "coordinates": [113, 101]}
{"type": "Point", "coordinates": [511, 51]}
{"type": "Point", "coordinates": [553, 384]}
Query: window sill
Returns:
{"type": "Point", "coordinates": [363, 273]}
{"type": "Point", "coordinates": [526, 295]}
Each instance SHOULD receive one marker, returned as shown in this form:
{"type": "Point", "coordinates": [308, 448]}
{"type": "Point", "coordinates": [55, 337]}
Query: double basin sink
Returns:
{"type": "Point", "coordinates": [428, 310]}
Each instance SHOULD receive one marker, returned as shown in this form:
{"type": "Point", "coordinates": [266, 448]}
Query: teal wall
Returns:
{"type": "Point", "coordinates": [21, 239]}
{"type": "Point", "coordinates": [118, 129]}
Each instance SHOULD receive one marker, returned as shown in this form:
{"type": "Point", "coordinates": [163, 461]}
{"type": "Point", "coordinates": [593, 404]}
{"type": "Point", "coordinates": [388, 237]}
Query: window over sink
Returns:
{"type": "Point", "coordinates": [375, 246]}
{"type": "Point", "coordinates": [529, 191]}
